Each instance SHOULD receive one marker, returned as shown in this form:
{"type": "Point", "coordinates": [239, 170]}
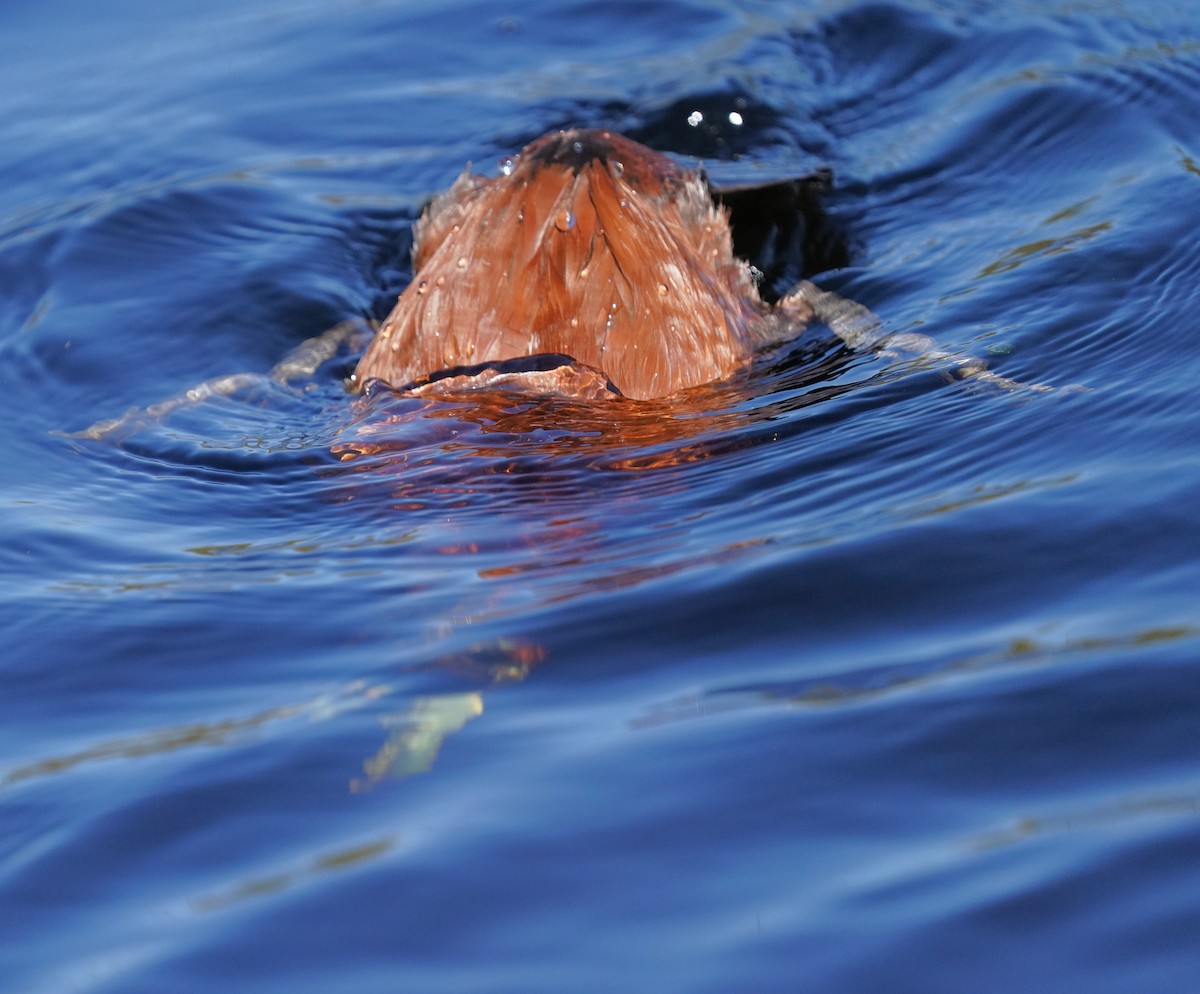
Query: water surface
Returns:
{"type": "Point", "coordinates": [850, 679]}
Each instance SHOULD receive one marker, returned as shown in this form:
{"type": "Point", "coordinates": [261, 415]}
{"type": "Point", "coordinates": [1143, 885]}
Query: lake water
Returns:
{"type": "Point", "coordinates": [850, 679]}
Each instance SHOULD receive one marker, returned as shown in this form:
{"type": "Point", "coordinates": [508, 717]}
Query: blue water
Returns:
{"type": "Point", "coordinates": [850, 679]}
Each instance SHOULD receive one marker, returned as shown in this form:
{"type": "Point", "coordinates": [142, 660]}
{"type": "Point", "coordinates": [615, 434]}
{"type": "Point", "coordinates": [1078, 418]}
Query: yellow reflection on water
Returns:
{"type": "Point", "coordinates": [415, 736]}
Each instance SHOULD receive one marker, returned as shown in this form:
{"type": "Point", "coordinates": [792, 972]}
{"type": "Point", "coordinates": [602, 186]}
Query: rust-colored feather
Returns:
{"type": "Point", "coordinates": [593, 247]}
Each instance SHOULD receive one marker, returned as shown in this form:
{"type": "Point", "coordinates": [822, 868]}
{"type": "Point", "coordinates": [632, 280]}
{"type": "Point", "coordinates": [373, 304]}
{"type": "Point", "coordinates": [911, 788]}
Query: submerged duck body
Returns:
{"type": "Point", "coordinates": [594, 267]}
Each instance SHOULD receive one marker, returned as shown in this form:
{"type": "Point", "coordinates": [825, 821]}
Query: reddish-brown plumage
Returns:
{"type": "Point", "coordinates": [590, 246]}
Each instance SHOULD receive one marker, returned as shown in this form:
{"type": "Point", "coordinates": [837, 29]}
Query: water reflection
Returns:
{"type": "Point", "coordinates": [1016, 257]}
{"type": "Point", "coordinates": [349, 858]}
{"type": "Point", "coordinates": [523, 492]}
{"type": "Point", "coordinates": [435, 476]}
{"type": "Point", "coordinates": [873, 684]}
{"type": "Point", "coordinates": [1090, 818]}
{"type": "Point", "coordinates": [980, 494]}
{"type": "Point", "coordinates": [217, 733]}
{"type": "Point", "coordinates": [519, 434]}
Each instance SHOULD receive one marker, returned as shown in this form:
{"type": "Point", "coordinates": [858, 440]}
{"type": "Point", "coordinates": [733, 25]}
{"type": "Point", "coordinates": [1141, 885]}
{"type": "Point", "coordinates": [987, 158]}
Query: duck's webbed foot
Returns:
{"type": "Point", "coordinates": [299, 365]}
{"type": "Point", "coordinates": [302, 363]}
{"type": "Point", "coordinates": [953, 367]}
{"type": "Point", "coordinates": [856, 325]}
{"type": "Point", "coordinates": [862, 329]}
